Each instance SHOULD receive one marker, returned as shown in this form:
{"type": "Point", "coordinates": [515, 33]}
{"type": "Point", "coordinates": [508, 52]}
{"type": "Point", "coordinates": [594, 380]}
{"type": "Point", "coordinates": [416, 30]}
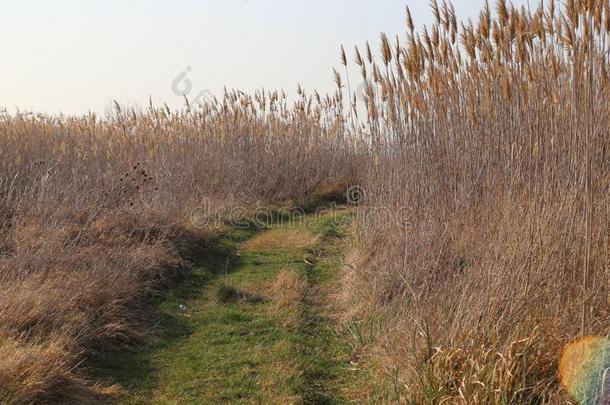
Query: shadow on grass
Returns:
{"type": "Point", "coordinates": [131, 365]}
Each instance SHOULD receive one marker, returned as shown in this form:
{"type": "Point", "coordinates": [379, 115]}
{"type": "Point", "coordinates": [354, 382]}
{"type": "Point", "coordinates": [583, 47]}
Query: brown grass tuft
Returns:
{"type": "Point", "coordinates": [288, 294]}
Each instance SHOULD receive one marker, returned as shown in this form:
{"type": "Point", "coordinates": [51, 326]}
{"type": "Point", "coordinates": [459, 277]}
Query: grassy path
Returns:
{"type": "Point", "coordinates": [250, 325]}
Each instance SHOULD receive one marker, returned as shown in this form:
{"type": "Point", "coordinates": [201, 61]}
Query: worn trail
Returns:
{"type": "Point", "coordinates": [251, 324]}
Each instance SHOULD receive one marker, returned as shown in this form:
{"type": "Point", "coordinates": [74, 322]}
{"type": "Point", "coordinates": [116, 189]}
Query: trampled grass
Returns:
{"type": "Point", "coordinates": [230, 335]}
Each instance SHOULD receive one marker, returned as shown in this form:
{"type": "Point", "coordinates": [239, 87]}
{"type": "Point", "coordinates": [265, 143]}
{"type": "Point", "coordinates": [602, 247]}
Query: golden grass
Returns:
{"type": "Point", "coordinates": [288, 294]}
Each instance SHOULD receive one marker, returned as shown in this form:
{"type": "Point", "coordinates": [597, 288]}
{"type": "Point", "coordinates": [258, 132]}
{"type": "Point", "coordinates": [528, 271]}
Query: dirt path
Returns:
{"type": "Point", "coordinates": [251, 324]}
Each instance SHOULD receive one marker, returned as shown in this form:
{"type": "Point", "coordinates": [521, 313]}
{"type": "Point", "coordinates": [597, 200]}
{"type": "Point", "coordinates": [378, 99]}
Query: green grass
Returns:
{"type": "Point", "coordinates": [224, 341]}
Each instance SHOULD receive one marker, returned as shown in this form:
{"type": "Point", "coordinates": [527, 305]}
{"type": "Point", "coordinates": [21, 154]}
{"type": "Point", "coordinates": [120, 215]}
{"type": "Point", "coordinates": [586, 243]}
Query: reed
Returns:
{"type": "Point", "coordinates": [490, 139]}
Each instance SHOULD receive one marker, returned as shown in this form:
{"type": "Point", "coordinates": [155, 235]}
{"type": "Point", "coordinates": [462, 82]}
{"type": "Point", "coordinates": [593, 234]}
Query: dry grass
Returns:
{"type": "Point", "coordinates": [489, 140]}
{"type": "Point", "coordinates": [288, 293]}
{"type": "Point", "coordinates": [492, 146]}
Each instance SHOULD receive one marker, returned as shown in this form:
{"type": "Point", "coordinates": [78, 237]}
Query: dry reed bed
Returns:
{"type": "Point", "coordinates": [483, 243]}
{"type": "Point", "coordinates": [491, 141]}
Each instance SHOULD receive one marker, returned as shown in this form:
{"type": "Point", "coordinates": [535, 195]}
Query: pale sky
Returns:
{"type": "Point", "coordinates": [73, 56]}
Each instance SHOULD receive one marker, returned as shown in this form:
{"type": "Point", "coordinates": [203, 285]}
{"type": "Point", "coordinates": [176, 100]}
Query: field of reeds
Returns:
{"type": "Point", "coordinates": [96, 216]}
{"type": "Point", "coordinates": [492, 172]}
{"type": "Point", "coordinates": [481, 248]}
